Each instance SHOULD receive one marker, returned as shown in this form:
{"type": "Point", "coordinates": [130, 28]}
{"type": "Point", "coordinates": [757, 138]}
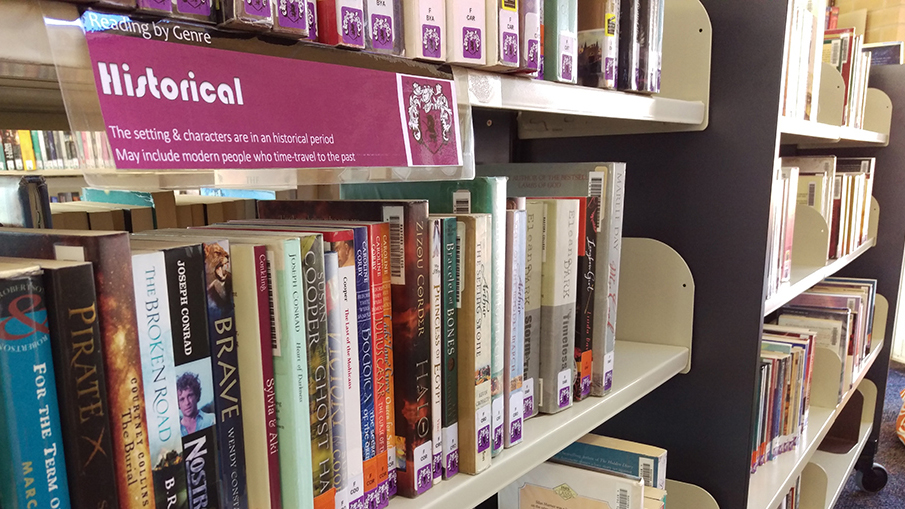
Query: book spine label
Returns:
{"type": "Point", "coordinates": [515, 325]}
{"type": "Point", "coordinates": [369, 239]}
{"type": "Point", "coordinates": [384, 21]}
{"type": "Point", "coordinates": [318, 370]}
{"type": "Point", "coordinates": [194, 379]}
{"type": "Point", "coordinates": [221, 316]}
{"type": "Point", "coordinates": [158, 371]}
{"type": "Point", "coordinates": [411, 347]}
{"type": "Point", "coordinates": [534, 233]}
{"type": "Point", "coordinates": [559, 274]}
{"type": "Point", "coordinates": [79, 370]}
{"type": "Point", "coordinates": [436, 333]}
{"type": "Point", "coordinates": [335, 348]}
{"type": "Point", "coordinates": [449, 374]}
{"type": "Point", "coordinates": [362, 303]}
{"type": "Point", "coordinates": [383, 236]}
{"type": "Point", "coordinates": [33, 439]}
{"type": "Point", "coordinates": [586, 298]}
{"type": "Point", "coordinates": [465, 19]}
{"type": "Point", "coordinates": [266, 326]}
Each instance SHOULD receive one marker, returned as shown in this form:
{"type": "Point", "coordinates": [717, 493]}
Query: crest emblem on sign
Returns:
{"type": "Point", "coordinates": [430, 116]}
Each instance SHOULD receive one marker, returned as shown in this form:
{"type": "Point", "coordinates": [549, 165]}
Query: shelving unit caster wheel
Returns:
{"type": "Point", "coordinates": [873, 480]}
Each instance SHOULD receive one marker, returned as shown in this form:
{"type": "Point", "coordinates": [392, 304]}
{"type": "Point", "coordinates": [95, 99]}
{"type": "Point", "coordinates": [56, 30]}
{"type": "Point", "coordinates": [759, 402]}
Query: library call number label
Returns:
{"type": "Point", "coordinates": [175, 105]}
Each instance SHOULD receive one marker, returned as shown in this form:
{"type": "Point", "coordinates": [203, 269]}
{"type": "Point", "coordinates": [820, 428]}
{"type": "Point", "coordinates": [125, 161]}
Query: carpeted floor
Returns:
{"type": "Point", "coordinates": [891, 454]}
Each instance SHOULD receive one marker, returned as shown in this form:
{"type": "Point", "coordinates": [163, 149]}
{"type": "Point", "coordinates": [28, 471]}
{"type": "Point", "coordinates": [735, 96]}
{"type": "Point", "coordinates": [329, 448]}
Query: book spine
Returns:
{"type": "Point", "coordinates": [369, 238]}
{"type": "Point", "coordinates": [534, 243]}
{"type": "Point", "coordinates": [629, 45]}
{"type": "Point", "coordinates": [37, 143]}
{"type": "Point", "coordinates": [559, 274]}
{"type": "Point", "coordinates": [291, 17]}
{"type": "Point", "coordinates": [79, 370]}
{"type": "Point", "coordinates": [386, 290]}
{"type": "Point", "coordinates": [352, 387]}
{"type": "Point", "coordinates": [267, 325]}
{"type": "Point", "coordinates": [367, 387]}
{"type": "Point", "coordinates": [194, 378]}
{"type": "Point", "coordinates": [155, 337]}
{"type": "Point", "coordinates": [467, 31]}
{"type": "Point", "coordinates": [318, 371]}
{"type": "Point", "coordinates": [585, 299]}
{"type": "Point", "coordinates": [436, 333]}
{"type": "Point", "coordinates": [561, 41]}
{"type": "Point", "coordinates": [335, 347]}
{"type": "Point", "coordinates": [27, 148]}
{"type": "Point", "coordinates": [425, 29]}
{"type": "Point", "coordinates": [515, 325]}
{"type": "Point", "coordinates": [497, 247]}
{"type": "Point", "coordinates": [502, 39]}
{"type": "Point", "coordinates": [411, 346]}
{"type": "Point", "coordinates": [607, 266]}
{"type": "Point", "coordinates": [221, 329]}
{"type": "Point", "coordinates": [32, 439]}
{"type": "Point", "coordinates": [384, 23]}
{"type": "Point", "coordinates": [449, 420]}
{"type": "Point", "coordinates": [529, 27]}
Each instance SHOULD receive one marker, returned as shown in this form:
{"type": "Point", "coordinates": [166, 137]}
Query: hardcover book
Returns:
{"type": "Point", "coordinates": [467, 32]}
{"type": "Point", "coordinates": [558, 285]}
{"type": "Point", "coordinates": [411, 346]}
{"type": "Point", "coordinates": [33, 471]}
{"type": "Point", "coordinates": [645, 461]}
{"type": "Point", "coordinates": [474, 352]}
{"type": "Point", "coordinates": [425, 29]}
{"type": "Point", "coordinates": [195, 10]}
{"type": "Point", "coordinates": [79, 370]}
{"type": "Point", "coordinates": [159, 375]}
{"type": "Point", "coordinates": [514, 341]}
{"type": "Point", "coordinates": [384, 26]}
{"type": "Point", "coordinates": [560, 40]}
{"type": "Point", "coordinates": [112, 264]}
{"type": "Point", "coordinates": [341, 23]}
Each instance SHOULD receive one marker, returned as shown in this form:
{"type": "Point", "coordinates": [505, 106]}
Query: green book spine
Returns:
{"type": "Point", "coordinates": [561, 40]}
{"type": "Point", "coordinates": [450, 422]}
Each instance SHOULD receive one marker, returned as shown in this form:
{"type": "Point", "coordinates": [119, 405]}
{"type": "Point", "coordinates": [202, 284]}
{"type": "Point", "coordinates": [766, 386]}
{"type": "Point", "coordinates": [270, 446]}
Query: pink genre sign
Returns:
{"type": "Point", "coordinates": [175, 106]}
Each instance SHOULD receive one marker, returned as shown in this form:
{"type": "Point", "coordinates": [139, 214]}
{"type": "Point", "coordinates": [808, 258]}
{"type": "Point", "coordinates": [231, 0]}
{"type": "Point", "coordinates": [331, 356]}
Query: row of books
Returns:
{"type": "Point", "coordinates": [792, 499]}
{"type": "Point", "coordinates": [599, 43]}
{"type": "Point", "coordinates": [801, 83]}
{"type": "Point", "coordinates": [416, 425]}
{"type": "Point", "coordinates": [844, 50]}
{"type": "Point", "coordinates": [595, 471]}
{"type": "Point", "coordinates": [54, 150]}
{"type": "Point", "coordinates": [836, 314]}
{"type": "Point", "coordinates": [840, 189]}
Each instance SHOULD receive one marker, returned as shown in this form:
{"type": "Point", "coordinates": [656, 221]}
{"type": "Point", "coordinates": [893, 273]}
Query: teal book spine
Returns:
{"type": "Point", "coordinates": [561, 40]}
{"type": "Point", "coordinates": [32, 463]}
{"type": "Point", "coordinates": [650, 468]}
{"type": "Point", "coordinates": [486, 195]}
{"type": "Point", "coordinates": [449, 374]}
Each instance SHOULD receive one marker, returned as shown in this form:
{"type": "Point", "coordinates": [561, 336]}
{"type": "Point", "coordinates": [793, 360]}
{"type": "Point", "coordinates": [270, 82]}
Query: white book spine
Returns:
{"type": "Point", "coordinates": [466, 32]}
{"type": "Point", "coordinates": [354, 448]}
{"type": "Point", "coordinates": [425, 29]}
{"type": "Point", "coordinates": [337, 361]}
{"type": "Point", "coordinates": [515, 325]}
{"type": "Point", "coordinates": [436, 335]}
{"type": "Point", "coordinates": [534, 222]}
{"type": "Point", "coordinates": [502, 34]}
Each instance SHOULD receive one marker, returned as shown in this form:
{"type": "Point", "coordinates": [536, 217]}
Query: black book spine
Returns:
{"type": "Point", "coordinates": [81, 386]}
{"type": "Point", "coordinates": [197, 487]}
{"type": "Point", "coordinates": [585, 293]}
{"type": "Point", "coordinates": [221, 318]}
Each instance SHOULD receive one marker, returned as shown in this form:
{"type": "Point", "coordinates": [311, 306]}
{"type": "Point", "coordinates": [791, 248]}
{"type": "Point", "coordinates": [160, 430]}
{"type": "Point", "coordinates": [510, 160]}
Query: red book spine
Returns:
{"type": "Point", "coordinates": [265, 315]}
{"type": "Point", "coordinates": [326, 22]}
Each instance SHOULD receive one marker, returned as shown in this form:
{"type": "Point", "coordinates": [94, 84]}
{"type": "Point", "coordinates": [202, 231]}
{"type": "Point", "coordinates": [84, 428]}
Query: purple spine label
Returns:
{"type": "Point", "coordinates": [311, 14]}
{"type": "Point", "coordinates": [291, 14]}
{"type": "Point", "coordinates": [202, 7]}
{"type": "Point", "coordinates": [585, 386]}
{"type": "Point", "coordinates": [452, 464]}
{"type": "Point", "coordinates": [391, 482]}
{"type": "Point", "coordinates": [515, 430]}
{"type": "Point", "coordinates": [358, 503]}
{"type": "Point", "coordinates": [425, 479]}
{"type": "Point", "coordinates": [610, 69]}
{"type": "Point", "coordinates": [371, 499]}
{"type": "Point", "coordinates": [471, 42]}
{"type": "Point", "coordinates": [383, 494]}
{"type": "Point", "coordinates": [381, 31]}
{"type": "Point", "coordinates": [529, 405]}
{"type": "Point", "coordinates": [567, 67]}
{"type": "Point", "coordinates": [510, 48]}
{"type": "Point", "coordinates": [533, 54]}
{"type": "Point", "coordinates": [498, 437]}
{"type": "Point", "coordinates": [258, 7]}
{"type": "Point", "coordinates": [353, 27]}
{"type": "Point", "coordinates": [608, 380]}
{"type": "Point", "coordinates": [438, 466]}
{"type": "Point", "coordinates": [483, 438]}
{"type": "Point", "coordinates": [157, 5]}
{"type": "Point", "coordinates": [430, 41]}
{"type": "Point", "coordinates": [565, 396]}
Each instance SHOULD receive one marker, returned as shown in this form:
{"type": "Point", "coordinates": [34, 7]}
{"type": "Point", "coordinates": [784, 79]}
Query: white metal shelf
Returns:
{"type": "Point", "coordinates": [812, 134]}
{"type": "Point", "coordinates": [773, 480]}
{"type": "Point", "coordinates": [806, 277]}
{"type": "Point", "coordinates": [641, 368]}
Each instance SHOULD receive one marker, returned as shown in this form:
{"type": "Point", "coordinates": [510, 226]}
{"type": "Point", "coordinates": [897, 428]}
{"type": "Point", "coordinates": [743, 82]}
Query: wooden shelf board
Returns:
{"type": "Point", "coordinates": [773, 480]}
{"type": "Point", "coordinates": [806, 277]}
{"type": "Point", "coordinates": [641, 368]}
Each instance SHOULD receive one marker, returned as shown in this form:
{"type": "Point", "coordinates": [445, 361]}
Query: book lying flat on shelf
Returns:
{"type": "Point", "coordinates": [566, 487]}
{"type": "Point", "coordinates": [623, 456]}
